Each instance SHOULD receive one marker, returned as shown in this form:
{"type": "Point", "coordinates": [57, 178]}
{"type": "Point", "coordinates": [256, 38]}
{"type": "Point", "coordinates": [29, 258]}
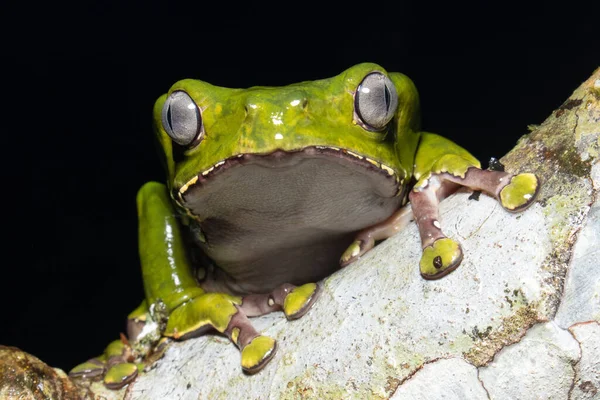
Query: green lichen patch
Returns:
{"type": "Point", "coordinates": [511, 330]}
{"type": "Point", "coordinates": [311, 386]}
{"type": "Point", "coordinates": [562, 151]}
{"type": "Point", "coordinates": [554, 149]}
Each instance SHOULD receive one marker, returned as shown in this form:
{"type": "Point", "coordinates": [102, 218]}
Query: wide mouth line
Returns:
{"type": "Point", "coordinates": [241, 159]}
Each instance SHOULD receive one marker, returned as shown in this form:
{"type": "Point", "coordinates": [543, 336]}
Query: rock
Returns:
{"type": "Point", "coordinates": [587, 370]}
{"type": "Point", "coordinates": [380, 331]}
{"type": "Point", "coordinates": [25, 377]}
{"type": "Point", "coordinates": [581, 298]}
{"type": "Point", "coordinates": [539, 366]}
{"type": "Point", "coordinates": [454, 379]}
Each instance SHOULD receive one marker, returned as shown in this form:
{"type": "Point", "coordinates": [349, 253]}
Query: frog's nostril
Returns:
{"type": "Point", "coordinates": [305, 103]}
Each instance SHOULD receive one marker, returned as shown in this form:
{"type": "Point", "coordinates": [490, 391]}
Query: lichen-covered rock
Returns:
{"type": "Point", "coordinates": [581, 298]}
{"type": "Point", "coordinates": [25, 377]}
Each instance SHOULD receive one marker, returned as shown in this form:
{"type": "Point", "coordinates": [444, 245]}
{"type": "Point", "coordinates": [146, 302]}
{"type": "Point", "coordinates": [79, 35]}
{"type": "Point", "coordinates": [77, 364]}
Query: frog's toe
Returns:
{"type": "Point", "coordinates": [351, 254]}
{"type": "Point", "coordinates": [120, 375]}
{"type": "Point", "coordinates": [258, 353]}
{"type": "Point", "coordinates": [440, 258]}
{"type": "Point", "coordinates": [520, 192]}
{"type": "Point", "coordinates": [92, 369]}
{"type": "Point", "coordinates": [300, 300]}
{"type": "Point", "coordinates": [195, 317]}
{"type": "Point", "coordinates": [114, 366]}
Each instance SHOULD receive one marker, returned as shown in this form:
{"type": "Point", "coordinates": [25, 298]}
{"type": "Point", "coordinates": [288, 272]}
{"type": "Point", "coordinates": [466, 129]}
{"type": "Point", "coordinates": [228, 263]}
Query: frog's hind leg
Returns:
{"type": "Point", "coordinates": [294, 301]}
{"type": "Point", "coordinates": [115, 366]}
{"type": "Point", "coordinates": [121, 362]}
{"type": "Point", "coordinates": [365, 239]}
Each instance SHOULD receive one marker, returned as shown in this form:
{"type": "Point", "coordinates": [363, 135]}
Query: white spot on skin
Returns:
{"type": "Point", "coordinates": [276, 118]}
{"type": "Point", "coordinates": [354, 155]}
{"type": "Point", "coordinates": [171, 254]}
{"type": "Point", "coordinates": [387, 169]}
{"type": "Point", "coordinates": [149, 327]}
{"type": "Point", "coordinates": [294, 103]}
{"type": "Point", "coordinates": [271, 302]}
{"type": "Point", "coordinates": [436, 223]}
{"type": "Point", "coordinates": [185, 187]}
{"type": "Point", "coordinates": [278, 136]}
{"type": "Point", "coordinates": [375, 163]}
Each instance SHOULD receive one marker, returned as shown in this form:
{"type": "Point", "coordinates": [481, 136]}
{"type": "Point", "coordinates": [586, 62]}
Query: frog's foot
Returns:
{"type": "Point", "coordinates": [365, 239]}
{"type": "Point", "coordinates": [256, 349]}
{"type": "Point", "coordinates": [223, 313]}
{"type": "Point", "coordinates": [294, 301]}
{"type": "Point", "coordinates": [514, 192]}
{"type": "Point", "coordinates": [114, 366]}
{"type": "Point", "coordinates": [519, 192]}
{"type": "Point", "coordinates": [440, 258]}
{"type": "Point", "coordinates": [442, 255]}
{"type": "Point", "coordinates": [93, 369]}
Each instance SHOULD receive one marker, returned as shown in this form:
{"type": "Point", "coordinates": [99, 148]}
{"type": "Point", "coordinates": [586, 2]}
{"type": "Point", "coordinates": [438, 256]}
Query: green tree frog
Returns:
{"type": "Point", "coordinates": [272, 189]}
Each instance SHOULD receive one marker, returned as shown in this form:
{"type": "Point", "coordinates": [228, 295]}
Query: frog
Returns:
{"type": "Point", "coordinates": [270, 190]}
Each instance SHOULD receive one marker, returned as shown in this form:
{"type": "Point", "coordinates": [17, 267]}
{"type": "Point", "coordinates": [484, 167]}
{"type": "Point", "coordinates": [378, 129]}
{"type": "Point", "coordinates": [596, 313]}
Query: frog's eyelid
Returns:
{"type": "Point", "coordinates": [182, 119]}
{"type": "Point", "coordinates": [375, 101]}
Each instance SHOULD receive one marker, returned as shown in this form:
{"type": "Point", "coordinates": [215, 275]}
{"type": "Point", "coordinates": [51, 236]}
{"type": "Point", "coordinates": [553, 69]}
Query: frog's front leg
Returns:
{"type": "Point", "coordinates": [171, 287]}
{"type": "Point", "coordinates": [441, 167]}
{"type": "Point", "coordinates": [168, 278]}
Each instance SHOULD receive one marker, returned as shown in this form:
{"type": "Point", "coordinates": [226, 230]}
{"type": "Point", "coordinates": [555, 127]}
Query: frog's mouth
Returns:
{"type": "Point", "coordinates": [278, 181]}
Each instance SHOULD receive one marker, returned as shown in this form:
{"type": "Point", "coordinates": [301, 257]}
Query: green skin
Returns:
{"type": "Point", "coordinates": [292, 118]}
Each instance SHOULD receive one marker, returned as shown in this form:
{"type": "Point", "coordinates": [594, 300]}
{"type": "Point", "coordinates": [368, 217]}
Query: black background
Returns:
{"type": "Point", "coordinates": [87, 136]}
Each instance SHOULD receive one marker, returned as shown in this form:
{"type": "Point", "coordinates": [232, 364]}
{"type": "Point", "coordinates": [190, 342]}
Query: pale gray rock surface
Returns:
{"type": "Point", "coordinates": [581, 299]}
{"type": "Point", "coordinates": [587, 382]}
{"type": "Point", "coordinates": [541, 364]}
{"type": "Point", "coordinates": [379, 330]}
{"type": "Point", "coordinates": [447, 379]}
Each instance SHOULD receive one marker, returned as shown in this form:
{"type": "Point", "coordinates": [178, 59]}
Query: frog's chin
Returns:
{"type": "Point", "coordinates": [314, 175]}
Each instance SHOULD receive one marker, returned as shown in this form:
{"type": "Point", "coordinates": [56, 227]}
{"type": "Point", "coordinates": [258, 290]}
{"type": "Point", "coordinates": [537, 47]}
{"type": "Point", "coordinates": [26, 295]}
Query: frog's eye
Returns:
{"type": "Point", "coordinates": [181, 118]}
{"type": "Point", "coordinates": [375, 101]}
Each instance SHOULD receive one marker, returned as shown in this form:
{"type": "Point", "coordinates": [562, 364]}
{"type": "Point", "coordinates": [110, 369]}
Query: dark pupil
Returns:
{"type": "Point", "coordinates": [169, 118]}
{"type": "Point", "coordinates": [387, 96]}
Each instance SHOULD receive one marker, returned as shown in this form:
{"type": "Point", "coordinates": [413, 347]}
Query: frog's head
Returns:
{"type": "Point", "coordinates": [364, 119]}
